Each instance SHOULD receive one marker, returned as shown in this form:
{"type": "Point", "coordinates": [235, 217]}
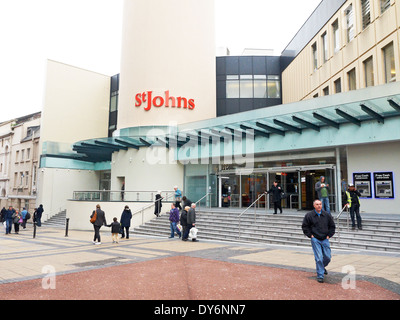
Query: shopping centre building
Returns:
{"type": "Point", "coordinates": [177, 115]}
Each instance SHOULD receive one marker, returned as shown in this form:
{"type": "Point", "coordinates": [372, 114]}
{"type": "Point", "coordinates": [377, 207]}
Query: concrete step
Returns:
{"type": "Point", "coordinates": [281, 229]}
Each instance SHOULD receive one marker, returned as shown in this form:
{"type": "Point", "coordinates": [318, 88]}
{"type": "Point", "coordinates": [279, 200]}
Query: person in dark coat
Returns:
{"type": "Point", "coordinates": [276, 192]}
{"type": "Point", "coordinates": [39, 212]}
{"type": "Point", "coordinates": [115, 228]}
{"type": "Point", "coordinates": [186, 202]}
{"type": "Point", "coordinates": [9, 219]}
{"type": "Point", "coordinates": [100, 221]}
{"type": "Point", "coordinates": [158, 204]}
{"type": "Point", "coordinates": [126, 221]}
{"type": "Point", "coordinates": [183, 221]}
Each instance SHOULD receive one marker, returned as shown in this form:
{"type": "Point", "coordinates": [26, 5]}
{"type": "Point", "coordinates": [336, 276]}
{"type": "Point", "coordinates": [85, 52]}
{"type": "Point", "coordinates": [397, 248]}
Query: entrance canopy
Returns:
{"type": "Point", "coordinates": [356, 117]}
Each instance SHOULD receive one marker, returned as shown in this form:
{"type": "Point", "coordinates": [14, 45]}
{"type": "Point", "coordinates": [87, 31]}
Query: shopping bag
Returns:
{"type": "Point", "coordinates": [193, 233]}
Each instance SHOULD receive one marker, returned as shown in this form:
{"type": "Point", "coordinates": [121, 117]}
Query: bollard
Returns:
{"type": "Point", "coordinates": [34, 229]}
{"type": "Point", "coordinates": [66, 227]}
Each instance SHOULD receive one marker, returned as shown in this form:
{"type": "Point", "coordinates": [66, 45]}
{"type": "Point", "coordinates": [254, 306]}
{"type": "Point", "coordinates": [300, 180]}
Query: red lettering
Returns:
{"type": "Point", "coordinates": [180, 99]}
{"type": "Point", "coordinates": [191, 104]}
{"type": "Point", "coordinates": [161, 102]}
{"type": "Point", "coordinates": [149, 100]}
{"type": "Point", "coordinates": [138, 100]}
{"type": "Point", "coordinates": [168, 99]}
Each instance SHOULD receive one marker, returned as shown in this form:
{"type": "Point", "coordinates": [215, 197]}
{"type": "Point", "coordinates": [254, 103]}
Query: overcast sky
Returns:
{"type": "Point", "coordinates": [87, 34]}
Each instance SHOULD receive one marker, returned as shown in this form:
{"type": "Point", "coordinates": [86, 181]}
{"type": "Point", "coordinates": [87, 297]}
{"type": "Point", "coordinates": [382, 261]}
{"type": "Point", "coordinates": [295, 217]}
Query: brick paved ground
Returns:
{"type": "Point", "coordinates": [164, 269]}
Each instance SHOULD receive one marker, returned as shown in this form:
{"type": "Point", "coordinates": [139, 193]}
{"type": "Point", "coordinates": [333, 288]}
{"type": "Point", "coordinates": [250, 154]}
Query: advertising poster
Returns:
{"type": "Point", "coordinates": [384, 187]}
{"type": "Point", "coordinates": [362, 182]}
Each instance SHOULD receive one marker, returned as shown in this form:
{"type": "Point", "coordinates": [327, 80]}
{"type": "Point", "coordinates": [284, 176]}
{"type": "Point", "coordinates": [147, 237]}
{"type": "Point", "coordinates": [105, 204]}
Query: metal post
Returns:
{"type": "Point", "coordinates": [66, 226]}
{"type": "Point", "coordinates": [34, 229]}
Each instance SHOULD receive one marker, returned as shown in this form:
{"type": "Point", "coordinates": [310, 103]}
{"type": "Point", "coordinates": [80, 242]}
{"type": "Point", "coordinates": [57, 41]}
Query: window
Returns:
{"type": "Point", "coordinates": [366, 13]}
{"type": "Point", "coordinates": [28, 153]}
{"type": "Point", "coordinates": [114, 101]}
{"type": "Point", "coordinates": [253, 86]}
{"type": "Point", "coordinates": [351, 75]}
{"type": "Point", "coordinates": [389, 65]}
{"type": "Point", "coordinates": [246, 86]}
{"type": "Point", "coordinates": [369, 72]}
{"type": "Point", "coordinates": [338, 85]}
{"type": "Point", "coordinates": [315, 56]}
{"type": "Point", "coordinates": [274, 87]}
{"type": "Point", "coordinates": [326, 91]}
{"type": "Point", "coordinates": [16, 156]}
{"type": "Point", "coordinates": [325, 47]}
{"type": "Point", "coordinates": [232, 87]}
{"type": "Point", "coordinates": [260, 86]}
{"type": "Point", "coordinates": [385, 4]}
{"type": "Point", "coordinates": [336, 36]}
{"type": "Point", "coordinates": [22, 155]}
{"type": "Point", "coordinates": [349, 12]}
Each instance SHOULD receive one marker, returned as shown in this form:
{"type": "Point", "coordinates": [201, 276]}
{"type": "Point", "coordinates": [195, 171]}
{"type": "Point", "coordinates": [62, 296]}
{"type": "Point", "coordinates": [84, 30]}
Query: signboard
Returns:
{"type": "Point", "coordinates": [148, 100]}
{"type": "Point", "coordinates": [384, 186]}
{"type": "Point", "coordinates": [362, 182]}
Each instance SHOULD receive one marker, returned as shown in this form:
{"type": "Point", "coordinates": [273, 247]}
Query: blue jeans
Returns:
{"type": "Point", "coordinates": [174, 229]}
{"type": "Point", "coordinates": [325, 204]}
{"type": "Point", "coordinates": [322, 254]}
{"type": "Point", "coordinates": [9, 223]}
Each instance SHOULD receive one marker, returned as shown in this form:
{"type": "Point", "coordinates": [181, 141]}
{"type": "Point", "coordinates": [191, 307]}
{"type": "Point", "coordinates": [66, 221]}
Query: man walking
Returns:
{"type": "Point", "coordinates": [320, 227]}
{"type": "Point", "coordinates": [191, 220]}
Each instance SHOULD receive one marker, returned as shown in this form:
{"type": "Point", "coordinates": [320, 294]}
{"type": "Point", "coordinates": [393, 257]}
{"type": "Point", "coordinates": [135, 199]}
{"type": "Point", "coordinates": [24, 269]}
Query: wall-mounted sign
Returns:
{"type": "Point", "coordinates": [384, 187]}
{"type": "Point", "coordinates": [148, 99]}
{"type": "Point", "coordinates": [362, 182]}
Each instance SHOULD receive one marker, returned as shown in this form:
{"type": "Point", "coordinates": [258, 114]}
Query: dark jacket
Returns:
{"type": "Point", "coordinates": [276, 193]}
{"type": "Point", "coordinates": [39, 212]}
{"type": "Point", "coordinates": [126, 218]}
{"type": "Point", "coordinates": [318, 226]}
{"type": "Point", "coordinates": [158, 204]}
{"type": "Point", "coordinates": [183, 219]}
{"type": "Point", "coordinates": [100, 219]}
{"type": "Point", "coordinates": [191, 216]}
{"type": "Point", "coordinates": [9, 214]}
{"type": "Point", "coordinates": [115, 227]}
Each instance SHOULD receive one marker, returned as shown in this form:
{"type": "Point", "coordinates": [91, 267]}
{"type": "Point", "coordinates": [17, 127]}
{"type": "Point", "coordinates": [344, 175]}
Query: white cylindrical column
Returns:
{"type": "Point", "coordinates": [167, 62]}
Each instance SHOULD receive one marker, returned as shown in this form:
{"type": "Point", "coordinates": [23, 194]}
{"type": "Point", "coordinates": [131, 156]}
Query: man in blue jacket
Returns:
{"type": "Point", "coordinates": [320, 227]}
{"type": "Point", "coordinates": [9, 219]}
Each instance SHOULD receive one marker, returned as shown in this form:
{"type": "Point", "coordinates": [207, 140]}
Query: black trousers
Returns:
{"type": "Point", "coordinates": [123, 232]}
{"type": "Point", "coordinates": [96, 233]}
{"type": "Point", "coordinates": [277, 205]}
{"type": "Point", "coordinates": [355, 209]}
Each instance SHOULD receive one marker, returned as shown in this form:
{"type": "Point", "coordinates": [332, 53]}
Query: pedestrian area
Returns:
{"type": "Point", "coordinates": [53, 266]}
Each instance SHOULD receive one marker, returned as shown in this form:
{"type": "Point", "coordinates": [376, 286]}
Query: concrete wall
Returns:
{"type": "Point", "coordinates": [167, 46]}
{"type": "Point", "coordinates": [76, 104]}
{"type": "Point", "coordinates": [79, 213]}
{"type": "Point", "coordinates": [384, 158]}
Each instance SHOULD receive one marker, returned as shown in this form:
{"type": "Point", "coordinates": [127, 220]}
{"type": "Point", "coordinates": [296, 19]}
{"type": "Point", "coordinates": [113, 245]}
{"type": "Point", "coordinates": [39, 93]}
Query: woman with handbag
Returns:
{"type": "Point", "coordinates": [17, 219]}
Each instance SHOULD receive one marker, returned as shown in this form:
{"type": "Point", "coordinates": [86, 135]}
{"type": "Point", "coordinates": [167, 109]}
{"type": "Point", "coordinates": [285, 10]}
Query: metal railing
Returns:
{"type": "Point", "coordinates": [169, 195]}
{"type": "Point", "coordinates": [117, 196]}
{"type": "Point", "coordinates": [198, 202]}
{"type": "Point", "coordinates": [255, 211]}
{"type": "Point", "coordinates": [338, 222]}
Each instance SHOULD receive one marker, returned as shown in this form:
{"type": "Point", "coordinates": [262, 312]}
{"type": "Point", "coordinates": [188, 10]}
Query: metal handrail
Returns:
{"type": "Point", "coordinates": [255, 211]}
{"type": "Point", "coordinates": [206, 195]}
{"type": "Point", "coordinates": [338, 222]}
{"type": "Point", "coordinates": [141, 210]}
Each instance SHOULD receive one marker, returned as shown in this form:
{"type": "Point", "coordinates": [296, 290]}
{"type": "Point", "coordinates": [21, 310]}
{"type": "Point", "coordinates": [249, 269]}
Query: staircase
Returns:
{"type": "Point", "coordinates": [282, 229]}
{"type": "Point", "coordinates": [57, 220]}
